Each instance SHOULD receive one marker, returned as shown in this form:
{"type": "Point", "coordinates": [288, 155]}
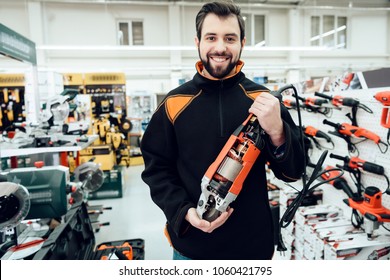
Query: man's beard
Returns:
{"type": "Point", "coordinates": [218, 72]}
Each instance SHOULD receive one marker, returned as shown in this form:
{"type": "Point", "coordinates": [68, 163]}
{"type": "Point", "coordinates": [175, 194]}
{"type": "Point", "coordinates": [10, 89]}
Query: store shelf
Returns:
{"type": "Point", "coordinates": [12, 150]}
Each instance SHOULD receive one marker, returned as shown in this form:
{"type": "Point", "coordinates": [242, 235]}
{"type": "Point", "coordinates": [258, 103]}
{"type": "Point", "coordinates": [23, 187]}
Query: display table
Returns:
{"type": "Point", "coordinates": [12, 150]}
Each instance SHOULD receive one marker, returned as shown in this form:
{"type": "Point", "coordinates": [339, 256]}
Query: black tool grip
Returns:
{"type": "Point", "coordinates": [335, 125]}
{"type": "Point", "coordinates": [299, 97]}
{"type": "Point", "coordinates": [341, 184]}
{"type": "Point", "coordinates": [319, 94]}
{"type": "Point", "coordinates": [319, 102]}
{"type": "Point", "coordinates": [350, 102]}
{"type": "Point", "coordinates": [321, 134]}
{"type": "Point", "coordinates": [339, 157]}
{"type": "Point", "coordinates": [373, 168]}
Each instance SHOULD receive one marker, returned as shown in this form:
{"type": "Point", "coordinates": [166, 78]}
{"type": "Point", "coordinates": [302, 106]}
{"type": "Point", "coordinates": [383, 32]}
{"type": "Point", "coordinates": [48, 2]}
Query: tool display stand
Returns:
{"type": "Point", "coordinates": [74, 239]}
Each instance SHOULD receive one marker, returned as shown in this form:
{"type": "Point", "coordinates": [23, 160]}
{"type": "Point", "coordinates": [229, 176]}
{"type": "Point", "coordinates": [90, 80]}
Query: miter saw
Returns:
{"type": "Point", "coordinates": [56, 111]}
{"type": "Point", "coordinates": [49, 186]}
{"type": "Point", "coordinates": [14, 207]}
{"type": "Point", "coordinates": [40, 195]}
{"type": "Point", "coordinates": [90, 178]}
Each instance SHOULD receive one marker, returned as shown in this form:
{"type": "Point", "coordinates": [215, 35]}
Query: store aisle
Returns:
{"type": "Point", "coordinates": [134, 216]}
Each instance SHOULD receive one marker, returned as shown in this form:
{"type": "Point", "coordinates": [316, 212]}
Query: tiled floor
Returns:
{"type": "Point", "coordinates": [134, 216]}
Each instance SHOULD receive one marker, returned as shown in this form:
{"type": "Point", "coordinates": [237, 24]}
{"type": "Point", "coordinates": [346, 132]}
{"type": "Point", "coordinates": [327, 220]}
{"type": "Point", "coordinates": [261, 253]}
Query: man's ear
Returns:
{"type": "Point", "coordinates": [197, 42]}
{"type": "Point", "coordinates": [243, 42]}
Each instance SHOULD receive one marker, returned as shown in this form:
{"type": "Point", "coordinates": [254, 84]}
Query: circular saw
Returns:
{"type": "Point", "coordinates": [90, 175]}
{"type": "Point", "coordinates": [14, 205]}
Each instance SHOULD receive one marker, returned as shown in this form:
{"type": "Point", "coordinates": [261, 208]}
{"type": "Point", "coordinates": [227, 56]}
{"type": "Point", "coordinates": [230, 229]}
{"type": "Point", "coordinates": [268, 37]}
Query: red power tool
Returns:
{"type": "Point", "coordinates": [384, 98]}
{"type": "Point", "coordinates": [370, 206]}
{"type": "Point", "coordinates": [341, 101]}
{"type": "Point", "coordinates": [346, 131]}
{"type": "Point", "coordinates": [314, 133]}
{"type": "Point", "coordinates": [223, 180]}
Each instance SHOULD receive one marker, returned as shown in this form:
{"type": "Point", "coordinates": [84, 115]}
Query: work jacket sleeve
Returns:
{"type": "Point", "coordinates": [159, 150]}
{"type": "Point", "coordinates": [288, 167]}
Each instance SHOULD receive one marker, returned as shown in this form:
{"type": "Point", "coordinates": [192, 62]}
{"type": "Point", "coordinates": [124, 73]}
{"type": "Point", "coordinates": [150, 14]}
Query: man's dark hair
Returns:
{"type": "Point", "coordinates": [221, 9]}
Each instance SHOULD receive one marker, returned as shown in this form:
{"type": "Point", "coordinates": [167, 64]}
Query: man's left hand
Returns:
{"type": "Point", "coordinates": [266, 108]}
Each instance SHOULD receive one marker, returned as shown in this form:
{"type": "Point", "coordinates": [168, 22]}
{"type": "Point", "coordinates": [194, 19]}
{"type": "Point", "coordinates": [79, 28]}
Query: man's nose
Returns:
{"type": "Point", "coordinates": [220, 46]}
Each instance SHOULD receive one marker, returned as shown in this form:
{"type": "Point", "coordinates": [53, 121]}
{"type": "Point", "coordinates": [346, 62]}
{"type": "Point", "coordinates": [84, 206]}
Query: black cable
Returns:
{"type": "Point", "coordinates": [388, 229]}
{"type": "Point", "coordinates": [293, 207]}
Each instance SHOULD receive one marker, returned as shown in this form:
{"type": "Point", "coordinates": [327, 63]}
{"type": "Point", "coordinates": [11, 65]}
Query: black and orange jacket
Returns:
{"type": "Point", "coordinates": [184, 136]}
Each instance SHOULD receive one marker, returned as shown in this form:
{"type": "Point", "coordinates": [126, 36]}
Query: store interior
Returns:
{"type": "Point", "coordinates": [81, 79]}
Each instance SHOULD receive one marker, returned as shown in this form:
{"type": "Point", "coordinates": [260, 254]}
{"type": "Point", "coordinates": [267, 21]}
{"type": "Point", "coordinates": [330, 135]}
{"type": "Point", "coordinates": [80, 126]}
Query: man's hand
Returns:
{"type": "Point", "coordinates": [266, 108]}
{"type": "Point", "coordinates": [206, 226]}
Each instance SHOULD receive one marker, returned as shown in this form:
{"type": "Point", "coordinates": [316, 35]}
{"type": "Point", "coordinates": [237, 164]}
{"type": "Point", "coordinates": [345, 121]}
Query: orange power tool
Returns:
{"type": "Point", "coordinates": [346, 131]}
{"type": "Point", "coordinates": [384, 98]}
{"type": "Point", "coordinates": [370, 206]}
{"type": "Point", "coordinates": [313, 133]}
{"type": "Point", "coordinates": [224, 178]}
{"type": "Point", "coordinates": [341, 101]}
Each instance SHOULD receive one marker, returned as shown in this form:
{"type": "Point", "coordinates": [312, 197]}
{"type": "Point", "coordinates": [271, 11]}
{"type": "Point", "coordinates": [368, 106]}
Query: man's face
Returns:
{"type": "Point", "coordinates": [220, 46]}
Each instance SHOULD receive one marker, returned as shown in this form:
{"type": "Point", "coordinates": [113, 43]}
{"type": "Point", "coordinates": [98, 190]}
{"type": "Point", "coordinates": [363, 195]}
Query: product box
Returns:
{"type": "Point", "coordinates": [308, 251]}
{"type": "Point", "coordinates": [311, 228]}
{"type": "Point", "coordinates": [325, 235]}
{"type": "Point", "coordinates": [358, 247]}
{"type": "Point", "coordinates": [315, 212]}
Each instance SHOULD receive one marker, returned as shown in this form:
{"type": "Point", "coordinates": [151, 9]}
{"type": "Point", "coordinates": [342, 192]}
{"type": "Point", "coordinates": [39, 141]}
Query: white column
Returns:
{"type": "Point", "coordinates": [293, 75]}
{"type": "Point", "coordinates": [175, 40]}
{"type": "Point", "coordinates": [35, 20]}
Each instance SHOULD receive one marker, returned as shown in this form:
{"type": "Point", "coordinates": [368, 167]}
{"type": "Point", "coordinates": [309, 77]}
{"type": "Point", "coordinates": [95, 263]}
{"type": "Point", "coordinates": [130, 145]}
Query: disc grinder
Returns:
{"type": "Point", "coordinates": [223, 180]}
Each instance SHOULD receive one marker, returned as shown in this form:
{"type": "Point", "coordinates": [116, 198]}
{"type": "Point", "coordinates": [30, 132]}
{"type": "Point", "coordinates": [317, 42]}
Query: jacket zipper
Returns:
{"type": "Point", "coordinates": [221, 121]}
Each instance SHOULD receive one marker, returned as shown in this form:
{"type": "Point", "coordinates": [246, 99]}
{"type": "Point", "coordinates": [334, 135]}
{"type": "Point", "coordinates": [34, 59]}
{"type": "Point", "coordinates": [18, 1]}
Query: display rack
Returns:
{"type": "Point", "coordinates": [368, 150]}
{"type": "Point", "coordinates": [108, 91]}
{"type": "Point", "coordinates": [12, 90]}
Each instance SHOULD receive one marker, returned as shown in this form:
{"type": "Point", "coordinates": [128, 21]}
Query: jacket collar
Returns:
{"type": "Point", "coordinates": [228, 81]}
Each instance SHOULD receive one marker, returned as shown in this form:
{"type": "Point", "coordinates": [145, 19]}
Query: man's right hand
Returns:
{"type": "Point", "coordinates": [206, 226]}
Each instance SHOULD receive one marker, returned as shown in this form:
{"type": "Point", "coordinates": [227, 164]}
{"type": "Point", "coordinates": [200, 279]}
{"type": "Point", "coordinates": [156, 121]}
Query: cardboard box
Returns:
{"type": "Point", "coordinates": [324, 235]}
{"type": "Point", "coordinates": [358, 247]}
{"type": "Point", "coordinates": [315, 212]}
{"type": "Point", "coordinates": [311, 228]}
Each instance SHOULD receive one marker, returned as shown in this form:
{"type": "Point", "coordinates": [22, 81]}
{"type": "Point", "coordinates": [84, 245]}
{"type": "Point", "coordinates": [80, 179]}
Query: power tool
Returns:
{"type": "Point", "coordinates": [384, 98]}
{"type": "Point", "coordinates": [341, 101]}
{"type": "Point", "coordinates": [370, 206]}
{"type": "Point", "coordinates": [339, 183]}
{"type": "Point", "coordinates": [346, 131]}
{"type": "Point", "coordinates": [355, 164]}
{"type": "Point", "coordinates": [223, 180]}
{"type": "Point", "coordinates": [377, 254]}
{"type": "Point", "coordinates": [313, 134]}
{"type": "Point", "coordinates": [315, 105]}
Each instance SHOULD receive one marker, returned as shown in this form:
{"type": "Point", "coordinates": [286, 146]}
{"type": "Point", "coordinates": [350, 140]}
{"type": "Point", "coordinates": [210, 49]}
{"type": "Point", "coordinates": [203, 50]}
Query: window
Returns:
{"type": "Point", "coordinates": [254, 29]}
{"type": "Point", "coordinates": [329, 31]}
{"type": "Point", "coordinates": [130, 33]}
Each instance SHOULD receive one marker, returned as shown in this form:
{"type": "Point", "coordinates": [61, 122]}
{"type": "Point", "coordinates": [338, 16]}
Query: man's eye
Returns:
{"type": "Point", "coordinates": [230, 39]}
{"type": "Point", "coordinates": [210, 38]}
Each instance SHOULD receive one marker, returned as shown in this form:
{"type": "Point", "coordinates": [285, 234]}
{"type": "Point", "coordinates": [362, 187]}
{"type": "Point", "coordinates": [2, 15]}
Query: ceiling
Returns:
{"type": "Point", "coordinates": [299, 3]}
